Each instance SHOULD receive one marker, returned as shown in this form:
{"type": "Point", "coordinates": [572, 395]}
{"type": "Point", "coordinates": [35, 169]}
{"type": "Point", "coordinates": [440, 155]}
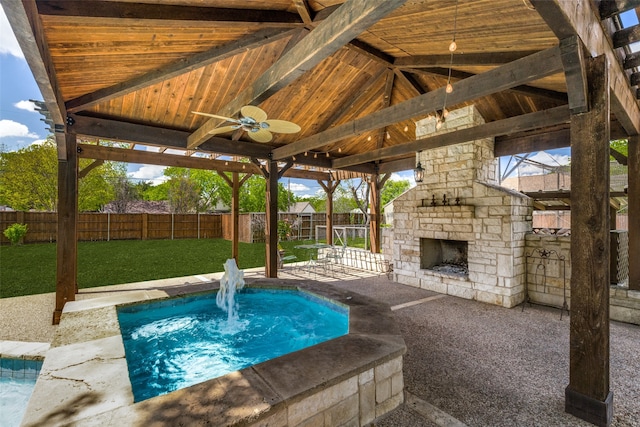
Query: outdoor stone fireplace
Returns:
{"type": "Point", "coordinates": [459, 214]}
{"type": "Point", "coordinates": [446, 256]}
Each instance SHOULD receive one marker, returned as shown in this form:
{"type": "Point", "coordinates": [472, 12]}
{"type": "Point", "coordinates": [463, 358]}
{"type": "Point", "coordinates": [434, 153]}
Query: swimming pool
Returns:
{"type": "Point", "coordinates": [17, 380]}
{"type": "Point", "coordinates": [352, 379]}
{"type": "Point", "coordinates": [177, 343]}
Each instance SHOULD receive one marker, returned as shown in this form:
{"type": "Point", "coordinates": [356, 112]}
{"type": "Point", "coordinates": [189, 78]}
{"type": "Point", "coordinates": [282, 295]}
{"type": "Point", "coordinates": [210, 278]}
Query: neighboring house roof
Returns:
{"type": "Point", "coordinates": [301, 207]}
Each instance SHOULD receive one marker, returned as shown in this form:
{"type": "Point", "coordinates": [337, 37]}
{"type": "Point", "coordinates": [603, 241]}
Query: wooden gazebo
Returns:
{"type": "Point", "coordinates": [355, 76]}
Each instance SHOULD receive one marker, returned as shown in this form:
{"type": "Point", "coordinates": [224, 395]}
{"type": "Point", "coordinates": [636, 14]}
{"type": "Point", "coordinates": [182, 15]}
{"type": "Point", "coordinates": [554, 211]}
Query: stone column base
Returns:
{"type": "Point", "coordinates": [589, 409]}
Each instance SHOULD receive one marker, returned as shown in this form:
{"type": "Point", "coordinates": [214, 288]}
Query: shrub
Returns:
{"type": "Point", "coordinates": [15, 232]}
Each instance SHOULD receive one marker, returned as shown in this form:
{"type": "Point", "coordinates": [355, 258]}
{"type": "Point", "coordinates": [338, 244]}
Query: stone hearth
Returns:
{"type": "Point", "coordinates": [491, 220]}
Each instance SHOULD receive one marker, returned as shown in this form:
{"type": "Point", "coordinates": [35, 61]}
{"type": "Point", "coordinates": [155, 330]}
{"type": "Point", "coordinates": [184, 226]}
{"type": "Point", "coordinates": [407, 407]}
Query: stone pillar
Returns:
{"type": "Point", "coordinates": [634, 212]}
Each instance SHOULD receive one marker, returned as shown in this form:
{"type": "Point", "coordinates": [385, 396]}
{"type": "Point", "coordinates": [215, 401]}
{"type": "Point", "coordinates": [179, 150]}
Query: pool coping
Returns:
{"type": "Point", "coordinates": [84, 378]}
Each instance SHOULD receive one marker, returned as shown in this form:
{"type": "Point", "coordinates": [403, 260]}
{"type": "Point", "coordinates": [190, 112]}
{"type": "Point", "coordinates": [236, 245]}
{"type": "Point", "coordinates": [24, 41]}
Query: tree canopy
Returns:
{"type": "Point", "coordinates": [29, 179]}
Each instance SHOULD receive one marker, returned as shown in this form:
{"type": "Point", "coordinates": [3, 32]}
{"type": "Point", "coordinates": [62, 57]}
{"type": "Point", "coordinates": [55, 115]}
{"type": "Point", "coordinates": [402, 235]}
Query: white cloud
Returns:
{"type": "Point", "coordinates": [8, 43]}
{"type": "Point", "coordinates": [153, 173]}
{"type": "Point", "coordinates": [297, 187]}
{"type": "Point", "coordinates": [14, 129]}
{"type": "Point", "coordinates": [26, 105]}
{"type": "Point", "coordinates": [551, 160]}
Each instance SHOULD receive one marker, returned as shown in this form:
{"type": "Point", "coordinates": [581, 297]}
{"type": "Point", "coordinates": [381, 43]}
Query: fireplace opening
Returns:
{"type": "Point", "coordinates": [444, 256]}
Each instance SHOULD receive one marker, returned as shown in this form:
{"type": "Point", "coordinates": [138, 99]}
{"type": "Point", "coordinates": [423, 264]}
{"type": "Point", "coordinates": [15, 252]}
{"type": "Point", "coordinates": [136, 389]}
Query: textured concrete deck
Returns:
{"type": "Point", "coordinates": [467, 363]}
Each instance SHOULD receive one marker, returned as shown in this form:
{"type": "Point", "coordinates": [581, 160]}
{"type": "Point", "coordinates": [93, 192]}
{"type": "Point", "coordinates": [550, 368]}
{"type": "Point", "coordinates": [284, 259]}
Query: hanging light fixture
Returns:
{"type": "Point", "coordinates": [418, 172]}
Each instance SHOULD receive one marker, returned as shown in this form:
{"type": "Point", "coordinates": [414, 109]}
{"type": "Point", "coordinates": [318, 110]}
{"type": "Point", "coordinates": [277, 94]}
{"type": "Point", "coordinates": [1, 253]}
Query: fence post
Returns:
{"type": "Point", "coordinates": [172, 217]}
{"type": "Point", "coordinates": [145, 226]}
{"type": "Point", "coordinates": [108, 225]}
{"type": "Point", "coordinates": [198, 225]}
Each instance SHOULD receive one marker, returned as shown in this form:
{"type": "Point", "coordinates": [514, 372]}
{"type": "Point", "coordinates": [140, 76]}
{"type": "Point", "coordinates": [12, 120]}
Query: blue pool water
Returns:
{"type": "Point", "coordinates": [17, 380]}
{"type": "Point", "coordinates": [180, 342]}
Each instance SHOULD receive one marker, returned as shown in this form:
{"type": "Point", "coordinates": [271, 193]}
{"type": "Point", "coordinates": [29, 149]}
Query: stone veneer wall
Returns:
{"type": "Point", "coordinates": [357, 401]}
{"type": "Point", "coordinates": [545, 279]}
{"type": "Point", "coordinates": [492, 219]}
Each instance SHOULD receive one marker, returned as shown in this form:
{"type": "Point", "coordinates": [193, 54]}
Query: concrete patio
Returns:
{"type": "Point", "coordinates": [467, 363]}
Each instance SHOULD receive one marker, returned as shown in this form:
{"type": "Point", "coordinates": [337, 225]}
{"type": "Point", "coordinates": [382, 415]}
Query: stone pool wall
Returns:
{"type": "Point", "coordinates": [350, 380]}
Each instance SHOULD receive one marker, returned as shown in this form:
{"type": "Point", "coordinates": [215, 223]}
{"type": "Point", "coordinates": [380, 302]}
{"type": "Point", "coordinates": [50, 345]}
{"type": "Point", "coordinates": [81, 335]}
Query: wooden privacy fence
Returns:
{"type": "Point", "coordinates": [42, 226]}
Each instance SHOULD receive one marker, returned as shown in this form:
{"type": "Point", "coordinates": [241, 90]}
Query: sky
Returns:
{"type": "Point", "coordinates": [20, 124]}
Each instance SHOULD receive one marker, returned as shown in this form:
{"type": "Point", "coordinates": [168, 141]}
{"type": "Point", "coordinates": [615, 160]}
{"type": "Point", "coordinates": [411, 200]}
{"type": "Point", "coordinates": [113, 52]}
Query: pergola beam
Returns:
{"type": "Point", "coordinates": [150, 158]}
{"type": "Point", "coordinates": [26, 24]}
{"type": "Point", "coordinates": [166, 12]}
{"type": "Point", "coordinates": [539, 119]}
{"type": "Point", "coordinates": [515, 73]}
{"type": "Point", "coordinates": [468, 59]}
{"type": "Point", "coordinates": [566, 19]}
{"type": "Point", "coordinates": [342, 26]}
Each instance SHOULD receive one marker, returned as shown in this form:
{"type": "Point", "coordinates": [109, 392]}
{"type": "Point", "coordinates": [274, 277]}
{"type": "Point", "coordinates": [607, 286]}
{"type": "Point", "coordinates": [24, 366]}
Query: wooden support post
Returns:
{"type": "Point", "coordinates": [235, 183]}
{"type": "Point", "coordinates": [271, 226]}
{"type": "Point", "coordinates": [66, 241]}
{"type": "Point", "coordinates": [235, 215]}
{"type": "Point", "coordinates": [634, 212]}
{"type": "Point", "coordinates": [375, 215]}
{"type": "Point", "coordinates": [588, 396]}
{"type": "Point", "coordinates": [329, 188]}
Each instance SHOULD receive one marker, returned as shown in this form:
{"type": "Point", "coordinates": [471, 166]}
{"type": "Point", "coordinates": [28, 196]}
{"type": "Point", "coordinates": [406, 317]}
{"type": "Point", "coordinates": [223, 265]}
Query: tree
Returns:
{"type": "Point", "coordinates": [29, 179]}
{"type": "Point", "coordinates": [183, 194]}
{"type": "Point", "coordinates": [253, 195]}
{"type": "Point", "coordinates": [124, 194]}
{"type": "Point", "coordinates": [393, 189]}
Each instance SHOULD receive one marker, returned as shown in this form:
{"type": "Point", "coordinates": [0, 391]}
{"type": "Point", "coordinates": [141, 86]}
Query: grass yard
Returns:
{"type": "Point", "coordinates": [31, 269]}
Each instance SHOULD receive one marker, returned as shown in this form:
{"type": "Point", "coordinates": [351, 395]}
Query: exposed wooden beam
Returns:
{"type": "Point", "coordinates": [27, 26]}
{"type": "Point", "coordinates": [544, 139]}
{"type": "Point", "coordinates": [562, 194]}
{"type": "Point", "coordinates": [89, 168]}
{"type": "Point", "coordinates": [523, 70]}
{"type": "Point", "coordinates": [535, 120]}
{"type": "Point", "coordinates": [177, 68]}
{"type": "Point", "coordinates": [574, 71]}
{"type": "Point", "coordinates": [634, 80]}
{"type": "Point", "coordinates": [342, 26]}
{"type": "Point", "coordinates": [467, 59]}
{"type": "Point", "coordinates": [397, 165]}
{"type": "Point", "coordinates": [567, 18]}
{"type": "Point", "coordinates": [632, 61]}
{"type": "Point", "coordinates": [524, 90]}
{"type": "Point", "coordinates": [626, 36]}
{"type": "Point", "coordinates": [303, 10]}
{"type": "Point", "coordinates": [164, 12]}
{"type": "Point", "coordinates": [131, 132]}
{"type": "Point", "coordinates": [150, 158]}
{"type": "Point", "coordinates": [609, 8]}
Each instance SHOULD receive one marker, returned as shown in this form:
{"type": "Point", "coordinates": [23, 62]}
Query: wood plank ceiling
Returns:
{"type": "Point", "coordinates": [145, 66]}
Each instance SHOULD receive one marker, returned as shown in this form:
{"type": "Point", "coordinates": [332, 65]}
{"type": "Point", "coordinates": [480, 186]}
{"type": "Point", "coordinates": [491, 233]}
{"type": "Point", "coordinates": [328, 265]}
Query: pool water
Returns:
{"type": "Point", "coordinates": [180, 342]}
{"type": "Point", "coordinates": [17, 381]}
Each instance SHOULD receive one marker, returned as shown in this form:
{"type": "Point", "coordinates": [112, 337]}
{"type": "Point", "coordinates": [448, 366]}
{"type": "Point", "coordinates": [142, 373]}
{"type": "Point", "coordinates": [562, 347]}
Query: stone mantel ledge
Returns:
{"type": "Point", "coordinates": [469, 210]}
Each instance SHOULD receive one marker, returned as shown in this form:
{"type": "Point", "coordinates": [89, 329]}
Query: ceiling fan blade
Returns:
{"type": "Point", "coordinates": [256, 113]}
{"type": "Point", "coordinates": [215, 116]}
{"type": "Point", "coordinates": [261, 135]}
{"type": "Point", "coordinates": [223, 129]}
{"type": "Point", "coordinates": [282, 126]}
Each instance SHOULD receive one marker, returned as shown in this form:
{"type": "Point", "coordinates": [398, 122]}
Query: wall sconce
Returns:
{"type": "Point", "coordinates": [418, 172]}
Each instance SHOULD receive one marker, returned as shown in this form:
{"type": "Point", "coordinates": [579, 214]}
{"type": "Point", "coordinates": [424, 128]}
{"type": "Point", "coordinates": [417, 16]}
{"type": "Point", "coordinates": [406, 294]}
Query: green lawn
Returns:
{"type": "Point", "coordinates": [31, 269]}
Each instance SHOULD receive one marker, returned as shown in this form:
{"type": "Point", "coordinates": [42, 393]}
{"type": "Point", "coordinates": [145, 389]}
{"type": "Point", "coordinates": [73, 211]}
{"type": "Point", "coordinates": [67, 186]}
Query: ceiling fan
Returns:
{"type": "Point", "coordinates": [254, 121]}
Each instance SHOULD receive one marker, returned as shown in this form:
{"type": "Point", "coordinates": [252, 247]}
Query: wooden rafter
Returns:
{"type": "Point", "coordinates": [177, 68]}
{"type": "Point", "coordinates": [539, 119]}
{"type": "Point", "coordinates": [351, 19]}
{"type": "Point", "coordinates": [609, 8]}
{"type": "Point", "coordinates": [515, 73]}
{"type": "Point", "coordinates": [468, 59]}
{"type": "Point", "coordinates": [26, 24]}
{"type": "Point", "coordinates": [151, 158]}
{"type": "Point", "coordinates": [626, 36]}
{"type": "Point", "coordinates": [567, 19]}
{"type": "Point", "coordinates": [165, 12]}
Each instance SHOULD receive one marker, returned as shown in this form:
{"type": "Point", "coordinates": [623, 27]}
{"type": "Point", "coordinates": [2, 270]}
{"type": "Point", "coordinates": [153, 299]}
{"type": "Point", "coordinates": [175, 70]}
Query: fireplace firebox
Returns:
{"type": "Point", "coordinates": [444, 256]}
